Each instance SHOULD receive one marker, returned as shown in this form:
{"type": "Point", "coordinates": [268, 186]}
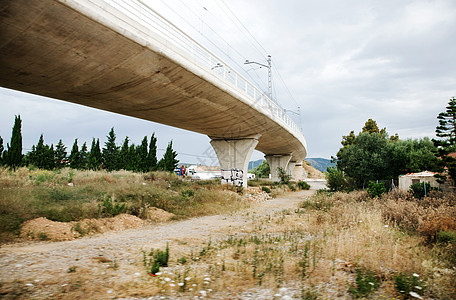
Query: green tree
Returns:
{"type": "Point", "coordinates": [373, 155]}
{"type": "Point", "coordinates": [124, 156]}
{"type": "Point", "coordinates": [169, 161]}
{"type": "Point", "coordinates": [1, 151]}
{"type": "Point", "coordinates": [94, 159]}
{"type": "Point", "coordinates": [262, 170]}
{"type": "Point", "coordinates": [111, 152]}
{"type": "Point", "coordinates": [60, 155]}
{"type": "Point", "coordinates": [83, 157]}
{"type": "Point", "coordinates": [367, 159]}
{"type": "Point", "coordinates": [348, 139]}
{"type": "Point", "coordinates": [14, 152]}
{"type": "Point", "coordinates": [141, 154]}
{"type": "Point", "coordinates": [42, 155]}
{"type": "Point", "coordinates": [446, 141]}
{"type": "Point", "coordinates": [132, 158]}
{"type": "Point", "coordinates": [75, 157]}
{"type": "Point", "coordinates": [152, 155]}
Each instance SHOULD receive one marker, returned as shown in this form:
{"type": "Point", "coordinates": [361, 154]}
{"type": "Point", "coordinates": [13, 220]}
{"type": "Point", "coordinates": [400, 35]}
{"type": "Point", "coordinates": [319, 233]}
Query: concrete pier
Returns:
{"type": "Point", "coordinates": [234, 156]}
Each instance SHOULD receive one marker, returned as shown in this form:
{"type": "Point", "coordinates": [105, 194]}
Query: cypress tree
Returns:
{"type": "Point", "coordinates": [60, 155]}
{"type": "Point", "coordinates": [1, 151]}
{"type": "Point", "coordinates": [49, 162]}
{"type": "Point", "coordinates": [132, 158]}
{"type": "Point", "coordinates": [152, 155]}
{"type": "Point", "coordinates": [124, 156]}
{"type": "Point", "coordinates": [75, 159]}
{"type": "Point", "coordinates": [42, 156]}
{"type": "Point", "coordinates": [141, 154]}
{"type": "Point", "coordinates": [36, 157]}
{"type": "Point", "coordinates": [83, 157]}
{"type": "Point", "coordinates": [94, 159]}
{"type": "Point", "coordinates": [169, 161]}
{"type": "Point", "coordinates": [111, 152]}
{"type": "Point", "coordinates": [14, 157]}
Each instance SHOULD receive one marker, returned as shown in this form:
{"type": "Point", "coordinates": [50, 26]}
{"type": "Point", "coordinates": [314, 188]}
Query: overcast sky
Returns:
{"type": "Point", "coordinates": [342, 63]}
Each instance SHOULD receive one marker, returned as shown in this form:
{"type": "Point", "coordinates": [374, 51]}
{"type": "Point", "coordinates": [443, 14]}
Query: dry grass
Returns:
{"type": "Point", "coordinates": [313, 251]}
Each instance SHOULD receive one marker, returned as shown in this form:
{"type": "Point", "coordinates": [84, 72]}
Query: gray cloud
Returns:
{"type": "Point", "coordinates": [344, 62]}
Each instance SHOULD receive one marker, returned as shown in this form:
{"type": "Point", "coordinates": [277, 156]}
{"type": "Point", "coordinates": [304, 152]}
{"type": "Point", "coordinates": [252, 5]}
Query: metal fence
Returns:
{"type": "Point", "coordinates": [151, 19]}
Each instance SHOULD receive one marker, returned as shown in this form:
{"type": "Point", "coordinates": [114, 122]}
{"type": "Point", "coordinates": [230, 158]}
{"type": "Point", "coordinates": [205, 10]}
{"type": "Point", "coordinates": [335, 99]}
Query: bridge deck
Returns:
{"type": "Point", "coordinates": [107, 61]}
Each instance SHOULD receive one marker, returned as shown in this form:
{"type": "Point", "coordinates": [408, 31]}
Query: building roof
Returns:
{"type": "Point", "coordinates": [420, 174]}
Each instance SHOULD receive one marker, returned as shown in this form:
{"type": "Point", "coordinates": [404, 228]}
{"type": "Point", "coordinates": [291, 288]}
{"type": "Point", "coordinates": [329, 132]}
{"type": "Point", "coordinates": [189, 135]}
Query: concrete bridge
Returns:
{"type": "Point", "coordinates": [122, 56]}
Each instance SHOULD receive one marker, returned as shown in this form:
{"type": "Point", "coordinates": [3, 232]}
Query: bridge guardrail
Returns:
{"type": "Point", "coordinates": [147, 16]}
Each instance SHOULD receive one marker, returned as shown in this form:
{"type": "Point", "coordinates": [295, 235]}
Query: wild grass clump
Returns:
{"type": "Point", "coordinates": [427, 216]}
{"type": "Point", "coordinates": [69, 195]}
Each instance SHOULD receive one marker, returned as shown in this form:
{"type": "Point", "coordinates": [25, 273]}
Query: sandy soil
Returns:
{"type": "Point", "coordinates": [44, 270]}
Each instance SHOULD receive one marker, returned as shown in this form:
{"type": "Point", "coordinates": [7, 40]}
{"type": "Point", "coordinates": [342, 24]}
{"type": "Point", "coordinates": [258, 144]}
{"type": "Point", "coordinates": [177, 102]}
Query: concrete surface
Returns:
{"type": "Point", "coordinates": [85, 52]}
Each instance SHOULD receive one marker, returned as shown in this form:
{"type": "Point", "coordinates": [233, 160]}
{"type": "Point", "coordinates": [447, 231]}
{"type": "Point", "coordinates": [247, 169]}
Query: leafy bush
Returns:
{"type": "Point", "coordinates": [291, 186]}
{"type": "Point", "coordinates": [335, 179]}
{"type": "Point", "coordinates": [284, 177]}
{"type": "Point", "coordinates": [419, 190]}
{"type": "Point", "coordinates": [157, 259]}
{"type": "Point", "coordinates": [266, 189]}
{"type": "Point", "coordinates": [376, 189]}
{"type": "Point", "coordinates": [303, 185]}
{"type": "Point", "coordinates": [109, 208]}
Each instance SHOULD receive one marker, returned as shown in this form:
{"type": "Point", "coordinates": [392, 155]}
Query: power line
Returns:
{"type": "Point", "coordinates": [202, 34]}
{"type": "Point", "coordinates": [265, 52]}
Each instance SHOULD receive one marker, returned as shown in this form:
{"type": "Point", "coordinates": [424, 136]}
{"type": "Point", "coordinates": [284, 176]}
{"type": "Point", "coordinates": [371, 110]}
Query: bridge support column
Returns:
{"type": "Point", "coordinates": [233, 156]}
{"type": "Point", "coordinates": [275, 162]}
{"type": "Point", "coordinates": [290, 169]}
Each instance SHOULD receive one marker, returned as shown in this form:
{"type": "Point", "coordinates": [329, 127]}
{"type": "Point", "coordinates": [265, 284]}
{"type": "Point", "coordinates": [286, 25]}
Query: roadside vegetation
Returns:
{"type": "Point", "coordinates": [66, 195]}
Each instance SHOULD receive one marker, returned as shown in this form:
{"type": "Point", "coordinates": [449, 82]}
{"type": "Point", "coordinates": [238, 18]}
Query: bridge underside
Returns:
{"type": "Point", "coordinates": [50, 49]}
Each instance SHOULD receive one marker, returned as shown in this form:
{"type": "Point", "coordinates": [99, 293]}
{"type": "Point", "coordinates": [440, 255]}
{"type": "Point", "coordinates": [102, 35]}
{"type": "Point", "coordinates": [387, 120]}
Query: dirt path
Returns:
{"type": "Point", "coordinates": [45, 269]}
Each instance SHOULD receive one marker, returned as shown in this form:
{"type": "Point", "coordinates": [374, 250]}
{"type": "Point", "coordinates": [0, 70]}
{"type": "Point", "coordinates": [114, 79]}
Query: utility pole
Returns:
{"type": "Point", "coordinates": [296, 113]}
{"type": "Point", "coordinates": [269, 66]}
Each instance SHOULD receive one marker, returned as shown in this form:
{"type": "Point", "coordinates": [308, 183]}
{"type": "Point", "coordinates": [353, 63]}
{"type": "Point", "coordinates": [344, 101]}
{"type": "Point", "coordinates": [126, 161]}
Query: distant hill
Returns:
{"type": "Point", "coordinates": [320, 163]}
{"type": "Point", "coordinates": [254, 164]}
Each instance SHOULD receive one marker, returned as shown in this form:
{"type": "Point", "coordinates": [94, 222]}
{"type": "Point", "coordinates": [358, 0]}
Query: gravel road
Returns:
{"type": "Point", "coordinates": [46, 269]}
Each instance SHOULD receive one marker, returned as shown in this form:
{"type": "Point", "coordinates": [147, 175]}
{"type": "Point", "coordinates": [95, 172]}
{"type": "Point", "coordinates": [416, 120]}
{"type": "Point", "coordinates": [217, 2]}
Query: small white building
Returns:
{"type": "Point", "coordinates": [405, 181]}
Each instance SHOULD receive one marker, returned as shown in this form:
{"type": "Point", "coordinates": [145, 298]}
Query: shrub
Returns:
{"type": "Point", "coordinates": [303, 185]}
{"type": "Point", "coordinates": [335, 179]}
{"type": "Point", "coordinates": [291, 186]}
{"type": "Point", "coordinates": [284, 177]}
{"type": "Point", "coordinates": [376, 189]}
{"type": "Point", "coordinates": [266, 189]}
{"type": "Point", "coordinates": [365, 284]}
{"type": "Point", "coordinates": [10, 223]}
{"type": "Point", "coordinates": [419, 190]}
{"type": "Point", "coordinates": [157, 259]}
{"type": "Point", "coordinates": [109, 208]}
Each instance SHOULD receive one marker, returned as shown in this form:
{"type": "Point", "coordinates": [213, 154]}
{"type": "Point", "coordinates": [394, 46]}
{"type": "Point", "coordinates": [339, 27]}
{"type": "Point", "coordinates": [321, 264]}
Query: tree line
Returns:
{"type": "Point", "coordinates": [131, 157]}
{"type": "Point", "coordinates": [375, 155]}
